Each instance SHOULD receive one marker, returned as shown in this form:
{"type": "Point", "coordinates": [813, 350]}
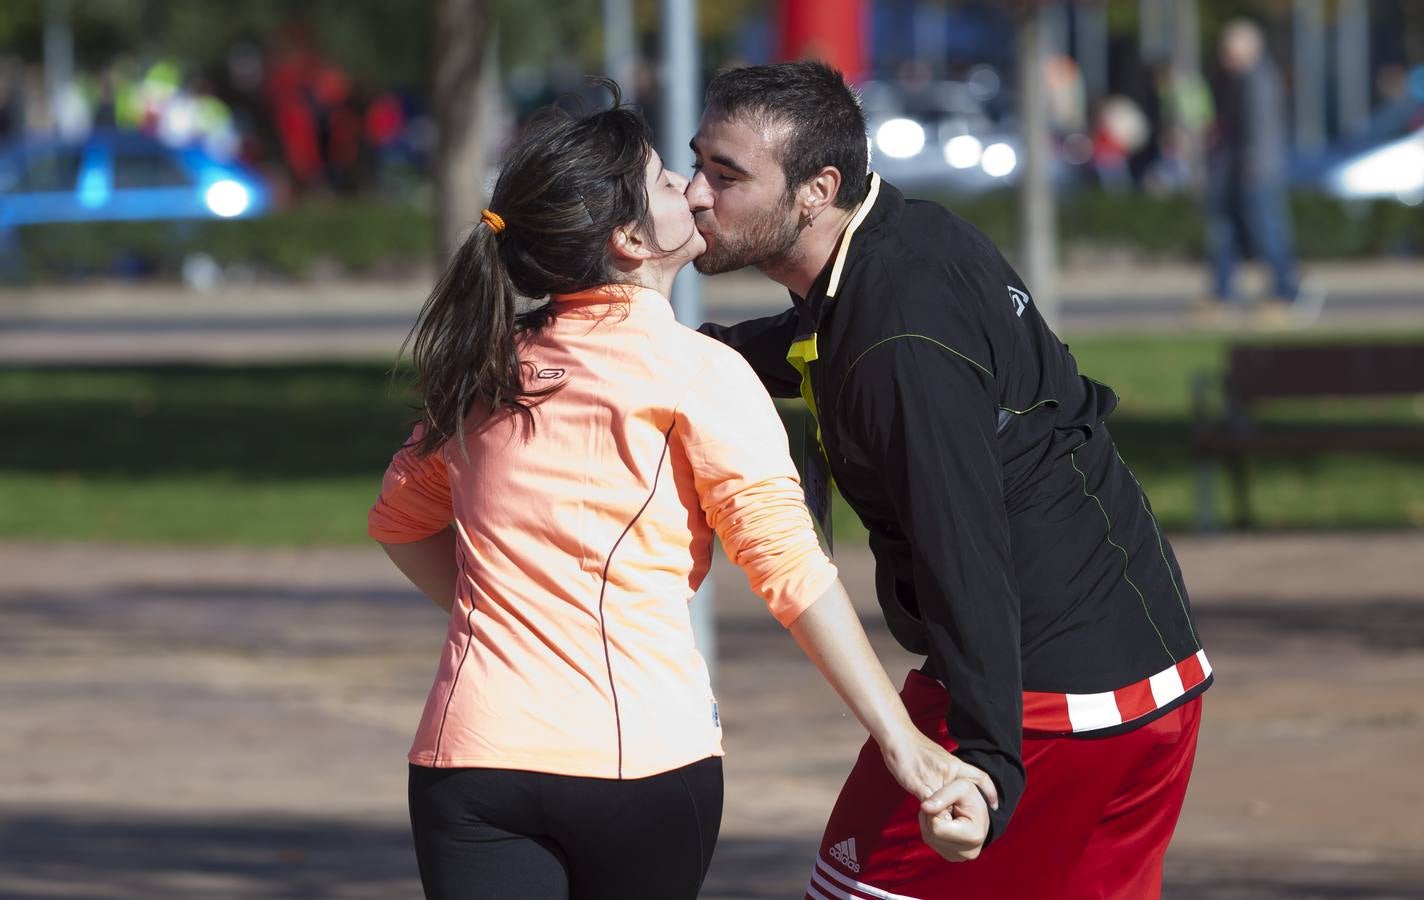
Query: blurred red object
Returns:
{"type": "Point", "coordinates": [385, 120]}
{"type": "Point", "coordinates": [833, 31]}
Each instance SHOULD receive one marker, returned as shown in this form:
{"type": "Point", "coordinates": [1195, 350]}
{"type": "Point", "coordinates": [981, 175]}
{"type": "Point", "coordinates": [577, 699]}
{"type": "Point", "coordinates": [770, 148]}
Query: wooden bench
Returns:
{"type": "Point", "coordinates": [1260, 373]}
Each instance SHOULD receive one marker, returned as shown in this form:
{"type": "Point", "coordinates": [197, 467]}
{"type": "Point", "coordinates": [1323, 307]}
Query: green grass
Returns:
{"type": "Point", "coordinates": [266, 455]}
{"type": "Point", "coordinates": [294, 454]}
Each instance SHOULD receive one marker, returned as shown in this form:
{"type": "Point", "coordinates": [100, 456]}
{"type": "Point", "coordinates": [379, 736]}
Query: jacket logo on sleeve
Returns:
{"type": "Point", "coordinates": [1020, 301]}
{"type": "Point", "coordinates": [549, 374]}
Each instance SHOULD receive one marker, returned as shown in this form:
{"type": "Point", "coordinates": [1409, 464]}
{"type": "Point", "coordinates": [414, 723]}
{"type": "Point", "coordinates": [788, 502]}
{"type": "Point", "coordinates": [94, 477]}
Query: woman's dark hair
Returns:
{"type": "Point", "coordinates": [826, 122]}
{"type": "Point", "coordinates": [565, 185]}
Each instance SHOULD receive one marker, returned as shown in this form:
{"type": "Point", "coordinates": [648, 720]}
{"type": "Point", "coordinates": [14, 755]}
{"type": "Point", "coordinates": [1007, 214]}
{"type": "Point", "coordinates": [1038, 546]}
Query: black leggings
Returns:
{"type": "Point", "coordinates": [500, 833]}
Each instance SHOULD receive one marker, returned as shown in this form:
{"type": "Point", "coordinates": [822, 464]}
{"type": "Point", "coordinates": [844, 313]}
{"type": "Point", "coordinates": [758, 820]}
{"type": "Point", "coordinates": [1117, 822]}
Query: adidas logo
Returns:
{"type": "Point", "coordinates": [844, 853]}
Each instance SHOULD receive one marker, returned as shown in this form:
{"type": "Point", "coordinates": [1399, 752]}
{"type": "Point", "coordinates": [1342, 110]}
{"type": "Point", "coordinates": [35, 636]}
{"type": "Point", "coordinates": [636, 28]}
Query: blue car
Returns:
{"type": "Point", "coordinates": [117, 176]}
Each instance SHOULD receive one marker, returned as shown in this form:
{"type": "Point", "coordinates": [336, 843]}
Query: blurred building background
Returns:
{"type": "Point", "coordinates": [288, 104]}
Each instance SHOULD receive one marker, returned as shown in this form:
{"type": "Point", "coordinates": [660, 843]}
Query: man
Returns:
{"type": "Point", "coordinates": [1247, 203]}
{"type": "Point", "coordinates": [1012, 545]}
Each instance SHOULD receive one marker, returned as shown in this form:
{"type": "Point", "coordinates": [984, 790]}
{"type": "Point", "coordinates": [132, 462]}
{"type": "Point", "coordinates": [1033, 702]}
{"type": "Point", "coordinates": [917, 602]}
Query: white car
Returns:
{"type": "Point", "coordinates": [1392, 170]}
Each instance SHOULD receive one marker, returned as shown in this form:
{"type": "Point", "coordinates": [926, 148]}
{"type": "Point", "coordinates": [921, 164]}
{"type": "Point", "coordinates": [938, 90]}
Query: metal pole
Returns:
{"type": "Point", "coordinates": [681, 109]}
{"type": "Point", "coordinates": [1187, 82]}
{"type": "Point", "coordinates": [1037, 215]}
{"type": "Point", "coordinates": [1090, 31]}
{"type": "Point", "coordinates": [1152, 40]}
{"type": "Point", "coordinates": [1309, 39]}
{"type": "Point", "coordinates": [1053, 29]}
{"type": "Point", "coordinates": [1186, 52]}
{"type": "Point", "coordinates": [618, 58]}
{"type": "Point", "coordinates": [1352, 66]}
{"type": "Point", "coordinates": [58, 57]}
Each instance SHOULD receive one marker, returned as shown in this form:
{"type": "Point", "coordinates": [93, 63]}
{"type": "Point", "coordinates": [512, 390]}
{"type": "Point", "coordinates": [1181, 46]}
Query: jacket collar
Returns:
{"type": "Point", "coordinates": [880, 199]}
{"type": "Point", "coordinates": [597, 302]}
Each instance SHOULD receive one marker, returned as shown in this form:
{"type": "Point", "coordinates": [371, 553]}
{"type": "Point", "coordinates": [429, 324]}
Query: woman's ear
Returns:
{"type": "Point", "coordinates": [627, 245]}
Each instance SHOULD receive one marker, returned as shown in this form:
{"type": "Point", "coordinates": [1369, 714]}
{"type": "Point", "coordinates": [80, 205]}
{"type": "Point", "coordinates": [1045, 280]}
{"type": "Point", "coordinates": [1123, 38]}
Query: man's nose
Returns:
{"type": "Point", "coordinates": [698, 192]}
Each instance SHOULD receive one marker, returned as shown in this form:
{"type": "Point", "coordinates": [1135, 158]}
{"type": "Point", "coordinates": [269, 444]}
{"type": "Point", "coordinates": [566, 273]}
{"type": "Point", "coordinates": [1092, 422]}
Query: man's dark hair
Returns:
{"type": "Point", "coordinates": [827, 125]}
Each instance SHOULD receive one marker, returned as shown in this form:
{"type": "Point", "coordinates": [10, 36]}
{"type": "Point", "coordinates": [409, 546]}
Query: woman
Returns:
{"type": "Point", "coordinates": [585, 451]}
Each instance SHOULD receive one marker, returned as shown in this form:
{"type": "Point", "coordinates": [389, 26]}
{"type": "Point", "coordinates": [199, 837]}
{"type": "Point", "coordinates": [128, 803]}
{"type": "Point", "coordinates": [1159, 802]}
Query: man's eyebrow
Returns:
{"type": "Point", "coordinates": [728, 162]}
{"type": "Point", "coordinates": [725, 161]}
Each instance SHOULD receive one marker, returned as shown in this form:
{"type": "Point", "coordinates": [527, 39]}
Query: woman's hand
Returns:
{"type": "Point", "coordinates": [954, 823]}
{"type": "Point", "coordinates": [923, 767]}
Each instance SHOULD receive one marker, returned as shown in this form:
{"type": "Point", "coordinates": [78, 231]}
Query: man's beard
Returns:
{"type": "Point", "coordinates": [764, 243]}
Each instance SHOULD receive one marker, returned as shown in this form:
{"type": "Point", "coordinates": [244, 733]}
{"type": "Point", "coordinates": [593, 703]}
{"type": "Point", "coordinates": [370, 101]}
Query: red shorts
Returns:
{"type": "Point", "coordinates": [1094, 821]}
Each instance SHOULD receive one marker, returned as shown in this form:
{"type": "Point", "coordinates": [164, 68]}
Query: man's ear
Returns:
{"type": "Point", "coordinates": [628, 246]}
{"type": "Point", "coordinates": [820, 192]}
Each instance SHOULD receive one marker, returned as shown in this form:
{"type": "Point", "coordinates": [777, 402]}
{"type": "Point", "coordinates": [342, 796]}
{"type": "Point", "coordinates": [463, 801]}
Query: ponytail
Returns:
{"type": "Point", "coordinates": [466, 343]}
{"type": "Point", "coordinates": [565, 185]}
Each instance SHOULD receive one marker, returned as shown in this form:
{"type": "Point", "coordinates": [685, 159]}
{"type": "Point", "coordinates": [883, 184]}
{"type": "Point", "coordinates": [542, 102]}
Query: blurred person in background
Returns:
{"type": "Point", "coordinates": [1120, 130]}
{"type": "Point", "coordinates": [1067, 95]}
{"type": "Point", "coordinates": [12, 113]}
{"type": "Point", "coordinates": [35, 109]}
{"type": "Point", "coordinates": [106, 99]}
{"type": "Point", "coordinates": [1401, 105]}
{"type": "Point", "coordinates": [1013, 547]}
{"type": "Point", "coordinates": [289, 90]}
{"type": "Point", "coordinates": [73, 111]}
{"type": "Point", "coordinates": [1179, 107]}
{"type": "Point", "coordinates": [558, 500]}
{"type": "Point", "coordinates": [1247, 203]}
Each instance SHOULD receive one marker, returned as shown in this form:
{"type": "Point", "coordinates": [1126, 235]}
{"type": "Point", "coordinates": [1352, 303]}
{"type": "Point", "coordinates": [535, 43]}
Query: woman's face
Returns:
{"type": "Point", "coordinates": [671, 216]}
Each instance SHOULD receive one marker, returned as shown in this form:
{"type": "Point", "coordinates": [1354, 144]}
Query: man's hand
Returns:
{"type": "Point", "coordinates": [955, 821]}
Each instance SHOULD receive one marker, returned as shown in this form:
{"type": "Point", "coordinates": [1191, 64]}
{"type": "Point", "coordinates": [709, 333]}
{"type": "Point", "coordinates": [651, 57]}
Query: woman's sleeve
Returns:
{"type": "Point", "coordinates": [748, 486]}
{"type": "Point", "coordinates": [415, 497]}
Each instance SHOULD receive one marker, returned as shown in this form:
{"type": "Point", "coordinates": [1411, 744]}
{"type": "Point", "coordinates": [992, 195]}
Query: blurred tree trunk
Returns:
{"type": "Point", "coordinates": [463, 74]}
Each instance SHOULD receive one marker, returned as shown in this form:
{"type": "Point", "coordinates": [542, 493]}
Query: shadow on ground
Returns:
{"type": "Point", "coordinates": [118, 858]}
{"type": "Point", "coordinates": [1231, 623]}
{"type": "Point", "coordinates": [49, 855]}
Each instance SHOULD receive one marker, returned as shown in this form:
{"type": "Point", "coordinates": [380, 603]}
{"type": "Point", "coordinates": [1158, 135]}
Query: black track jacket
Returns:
{"type": "Point", "coordinates": [1012, 544]}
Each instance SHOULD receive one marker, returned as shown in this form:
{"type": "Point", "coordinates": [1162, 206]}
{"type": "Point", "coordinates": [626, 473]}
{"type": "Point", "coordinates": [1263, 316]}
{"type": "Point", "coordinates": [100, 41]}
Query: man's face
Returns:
{"type": "Point", "coordinates": [1240, 48]}
{"type": "Point", "coordinates": [738, 194]}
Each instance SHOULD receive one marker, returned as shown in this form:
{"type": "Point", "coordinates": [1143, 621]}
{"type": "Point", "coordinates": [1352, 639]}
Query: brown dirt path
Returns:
{"type": "Point", "coordinates": [232, 723]}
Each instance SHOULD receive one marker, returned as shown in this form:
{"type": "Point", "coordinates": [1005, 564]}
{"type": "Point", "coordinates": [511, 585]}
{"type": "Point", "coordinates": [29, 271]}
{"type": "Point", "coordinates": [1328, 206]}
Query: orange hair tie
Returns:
{"type": "Point", "coordinates": [493, 219]}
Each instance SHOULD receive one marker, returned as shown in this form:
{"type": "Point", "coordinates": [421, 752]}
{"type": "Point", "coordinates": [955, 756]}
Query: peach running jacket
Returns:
{"type": "Point", "coordinates": [581, 544]}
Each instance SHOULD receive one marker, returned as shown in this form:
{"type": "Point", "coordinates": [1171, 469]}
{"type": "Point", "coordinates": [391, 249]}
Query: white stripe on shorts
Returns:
{"type": "Point", "coordinates": [815, 894]}
{"type": "Point", "coordinates": [824, 890]}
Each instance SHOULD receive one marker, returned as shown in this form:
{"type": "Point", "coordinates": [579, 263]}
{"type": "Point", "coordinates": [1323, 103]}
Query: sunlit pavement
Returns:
{"type": "Point", "coordinates": [208, 722]}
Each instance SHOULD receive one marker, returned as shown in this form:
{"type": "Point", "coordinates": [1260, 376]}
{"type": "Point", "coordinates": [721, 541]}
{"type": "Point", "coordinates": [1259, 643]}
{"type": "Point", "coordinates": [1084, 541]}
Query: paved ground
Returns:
{"type": "Point", "coordinates": [232, 723]}
{"type": "Point", "coordinates": [336, 318]}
